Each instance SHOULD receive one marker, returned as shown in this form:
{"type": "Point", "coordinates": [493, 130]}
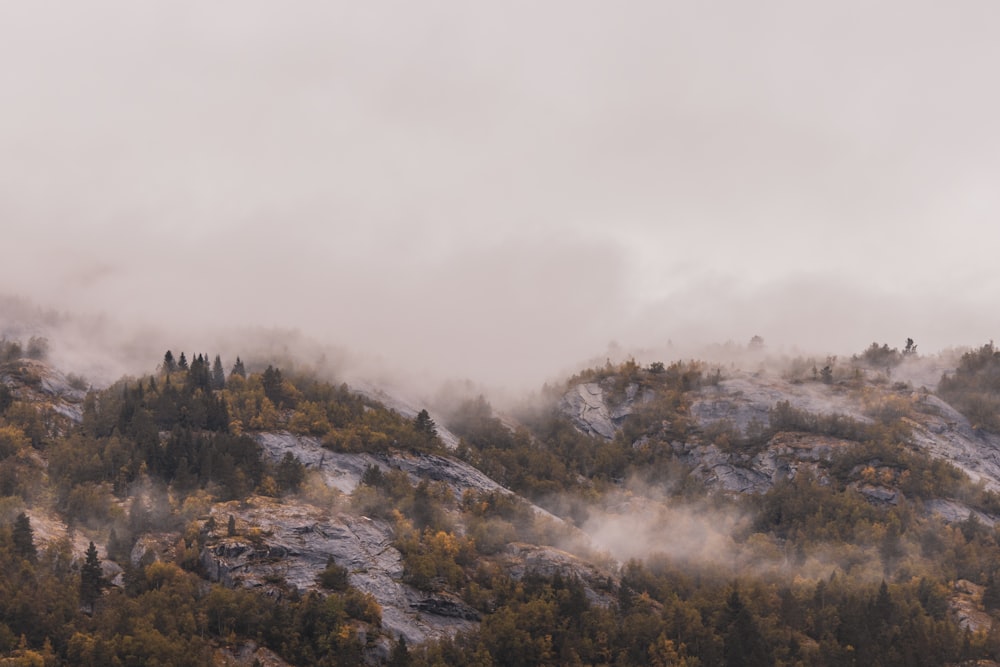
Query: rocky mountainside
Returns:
{"type": "Point", "coordinates": [359, 526]}
{"type": "Point", "coordinates": [284, 545]}
{"type": "Point", "coordinates": [295, 538]}
{"type": "Point", "coordinates": [744, 403]}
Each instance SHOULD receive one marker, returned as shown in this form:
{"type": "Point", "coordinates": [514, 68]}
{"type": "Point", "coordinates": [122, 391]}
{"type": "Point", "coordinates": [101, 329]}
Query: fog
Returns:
{"type": "Point", "coordinates": [498, 193]}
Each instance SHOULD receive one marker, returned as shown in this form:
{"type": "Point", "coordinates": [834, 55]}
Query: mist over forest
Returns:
{"type": "Point", "coordinates": [405, 184]}
{"type": "Point", "coordinates": [452, 334]}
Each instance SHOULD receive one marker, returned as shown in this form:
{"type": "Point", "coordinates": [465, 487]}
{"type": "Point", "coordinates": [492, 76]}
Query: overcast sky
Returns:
{"type": "Point", "coordinates": [497, 190]}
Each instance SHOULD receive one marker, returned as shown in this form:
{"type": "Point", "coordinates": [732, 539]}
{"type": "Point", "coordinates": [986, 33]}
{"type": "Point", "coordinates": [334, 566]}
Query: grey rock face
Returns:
{"type": "Point", "coordinates": [291, 542]}
{"type": "Point", "coordinates": [406, 407]}
{"type": "Point", "coordinates": [953, 511]}
{"type": "Point", "coordinates": [937, 428]}
{"type": "Point", "coordinates": [524, 559]}
{"type": "Point", "coordinates": [944, 433]}
{"type": "Point", "coordinates": [587, 406]}
{"type": "Point", "coordinates": [35, 380]}
{"type": "Point", "coordinates": [783, 458]}
{"type": "Point", "coordinates": [343, 470]}
{"type": "Point", "coordinates": [746, 398]}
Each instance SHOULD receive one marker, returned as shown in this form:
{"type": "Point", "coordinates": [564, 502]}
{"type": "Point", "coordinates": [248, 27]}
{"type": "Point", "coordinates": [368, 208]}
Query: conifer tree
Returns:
{"type": "Point", "coordinates": [218, 374]}
{"type": "Point", "coordinates": [169, 364]}
{"type": "Point", "coordinates": [182, 363]}
{"type": "Point", "coordinates": [743, 643]}
{"type": "Point", "coordinates": [23, 538]}
{"type": "Point", "coordinates": [273, 385]}
{"type": "Point", "coordinates": [239, 369]}
{"type": "Point", "coordinates": [91, 579]}
{"type": "Point", "coordinates": [424, 424]}
{"type": "Point", "coordinates": [198, 374]}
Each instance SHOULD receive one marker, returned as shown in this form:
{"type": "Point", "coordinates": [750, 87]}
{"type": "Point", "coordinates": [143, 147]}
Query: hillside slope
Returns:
{"type": "Point", "coordinates": [777, 510]}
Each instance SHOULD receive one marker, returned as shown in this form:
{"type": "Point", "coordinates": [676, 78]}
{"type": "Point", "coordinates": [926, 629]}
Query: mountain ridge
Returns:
{"type": "Point", "coordinates": [313, 494]}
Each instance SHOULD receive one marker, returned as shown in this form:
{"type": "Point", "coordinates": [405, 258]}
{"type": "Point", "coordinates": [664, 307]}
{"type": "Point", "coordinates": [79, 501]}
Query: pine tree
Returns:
{"type": "Point", "coordinates": [198, 375]}
{"type": "Point", "coordinates": [218, 375]}
{"type": "Point", "coordinates": [169, 365]}
{"type": "Point", "coordinates": [273, 385]}
{"type": "Point", "coordinates": [91, 579]}
{"type": "Point", "coordinates": [182, 363]}
{"type": "Point", "coordinates": [23, 538]}
{"type": "Point", "coordinates": [238, 369]}
{"type": "Point", "coordinates": [425, 425]}
{"type": "Point", "coordinates": [743, 643]}
{"type": "Point", "coordinates": [373, 476]}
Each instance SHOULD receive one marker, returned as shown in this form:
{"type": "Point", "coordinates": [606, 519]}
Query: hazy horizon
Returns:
{"type": "Point", "coordinates": [502, 192]}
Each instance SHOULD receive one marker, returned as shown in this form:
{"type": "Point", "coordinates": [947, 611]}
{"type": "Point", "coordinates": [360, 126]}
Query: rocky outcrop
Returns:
{"type": "Point", "coordinates": [394, 401]}
{"type": "Point", "coordinates": [248, 654]}
{"type": "Point", "coordinates": [965, 606]}
{"type": "Point", "coordinates": [953, 511]}
{"type": "Point", "coordinates": [584, 404]}
{"type": "Point", "coordinates": [590, 410]}
{"type": "Point", "coordinates": [522, 559]}
{"type": "Point", "coordinates": [945, 433]}
{"type": "Point", "coordinates": [290, 543]}
{"type": "Point", "coordinates": [748, 398]}
{"type": "Point", "coordinates": [740, 472]}
{"type": "Point", "coordinates": [936, 427]}
{"type": "Point", "coordinates": [154, 547]}
{"type": "Point", "coordinates": [745, 400]}
{"type": "Point", "coordinates": [343, 470]}
{"type": "Point", "coordinates": [33, 380]}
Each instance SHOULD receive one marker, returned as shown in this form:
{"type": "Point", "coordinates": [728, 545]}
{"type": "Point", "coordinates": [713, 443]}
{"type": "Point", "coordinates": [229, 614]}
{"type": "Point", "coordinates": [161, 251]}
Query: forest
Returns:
{"type": "Point", "coordinates": [822, 575]}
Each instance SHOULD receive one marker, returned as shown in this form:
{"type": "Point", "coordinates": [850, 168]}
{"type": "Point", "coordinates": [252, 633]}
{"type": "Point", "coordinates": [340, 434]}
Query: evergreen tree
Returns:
{"type": "Point", "coordinates": [373, 476]}
{"type": "Point", "coordinates": [91, 579]}
{"type": "Point", "coordinates": [216, 413]}
{"type": "Point", "coordinates": [23, 538]}
{"type": "Point", "coordinates": [425, 425]}
{"type": "Point", "coordinates": [169, 365]}
{"type": "Point", "coordinates": [273, 385]}
{"type": "Point", "coordinates": [290, 473]}
{"type": "Point", "coordinates": [182, 363]}
{"type": "Point", "coordinates": [334, 577]}
{"type": "Point", "coordinates": [238, 369]}
{"type": "Point", "coordinates": [218, 375]}
{"type": "Point", "coordinates": [198, 375]}
{"type": "Point", "coordinates": [744, 646]}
